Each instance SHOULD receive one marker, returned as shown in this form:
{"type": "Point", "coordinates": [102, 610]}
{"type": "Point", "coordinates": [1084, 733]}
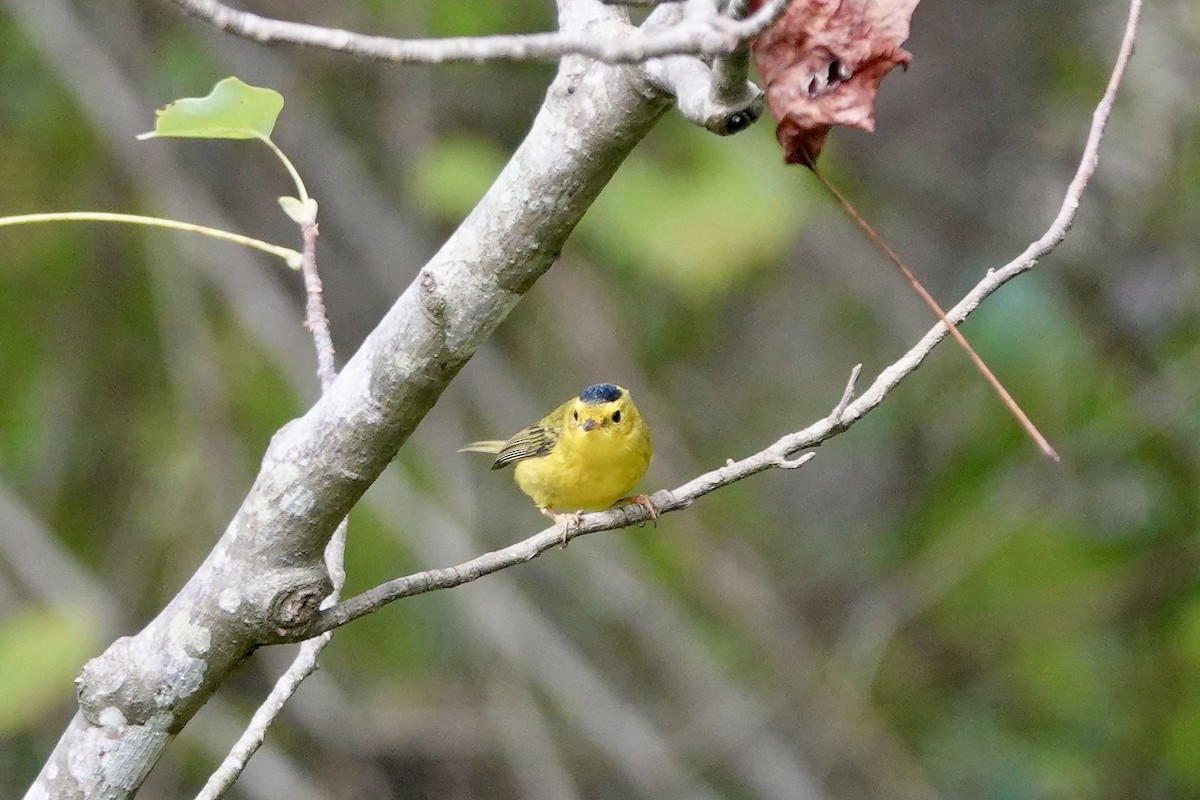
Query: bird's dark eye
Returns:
{"type": "Point", "coordinates": [575, 415]}
{"type": "Point", "coordinates": [616, 416]}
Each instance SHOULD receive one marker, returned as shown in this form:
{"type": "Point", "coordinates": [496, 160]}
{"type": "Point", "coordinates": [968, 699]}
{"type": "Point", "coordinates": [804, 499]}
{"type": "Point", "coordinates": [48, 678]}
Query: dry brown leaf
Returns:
{"type": "Point", "coordinates": [821, 64]}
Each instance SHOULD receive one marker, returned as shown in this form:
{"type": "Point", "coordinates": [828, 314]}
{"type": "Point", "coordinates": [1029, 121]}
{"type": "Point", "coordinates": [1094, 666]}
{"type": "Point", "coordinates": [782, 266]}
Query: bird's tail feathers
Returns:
{"type": "Point", "coordinates": [491, 446]}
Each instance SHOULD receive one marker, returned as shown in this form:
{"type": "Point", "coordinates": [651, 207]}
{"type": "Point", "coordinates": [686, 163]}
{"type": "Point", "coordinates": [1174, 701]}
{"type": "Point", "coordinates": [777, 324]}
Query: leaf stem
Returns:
{"type": "Point", "coordinates": [301, 191]}
{"type": "Point", "coordinates": [1012, 405]}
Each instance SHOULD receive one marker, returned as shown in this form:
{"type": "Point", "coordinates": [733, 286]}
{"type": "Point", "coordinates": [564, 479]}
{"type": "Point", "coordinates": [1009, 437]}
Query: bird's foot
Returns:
{"type": "Point", "coordinates": [568, 522]}
{"type": "Point", "coordinates": [642, 500]}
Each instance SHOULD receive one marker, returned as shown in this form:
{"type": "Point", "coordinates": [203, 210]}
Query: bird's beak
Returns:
{"type": "Point", "coordinates": [588, 424]}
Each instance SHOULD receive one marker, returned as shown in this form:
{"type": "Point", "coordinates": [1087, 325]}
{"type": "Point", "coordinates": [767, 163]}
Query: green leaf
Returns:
{"type": "Point", "coordinates": [232, 110]}
{"type": "Point", "coordinates": [300, 212]}
{"type": "Point", "coordinates": [41, 651]}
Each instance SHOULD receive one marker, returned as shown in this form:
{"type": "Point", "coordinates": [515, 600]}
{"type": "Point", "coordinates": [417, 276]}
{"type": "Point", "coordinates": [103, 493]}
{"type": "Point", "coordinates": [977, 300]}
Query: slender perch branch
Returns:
{"type": "Point", "coordinates": [781, 454]}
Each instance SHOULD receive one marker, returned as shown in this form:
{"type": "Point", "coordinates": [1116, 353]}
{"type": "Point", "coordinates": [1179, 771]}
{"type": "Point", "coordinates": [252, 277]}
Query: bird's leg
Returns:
{"type": "Point", "coordinates": [642, 500]}
{"type": "Point", "coordinates": [567, 522]}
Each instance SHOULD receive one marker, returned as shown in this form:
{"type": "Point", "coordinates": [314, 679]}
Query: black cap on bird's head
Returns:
{"type": "Point", "coordinates": [600, 393]}
{"type": "Point", "coordinates": [601, 406]}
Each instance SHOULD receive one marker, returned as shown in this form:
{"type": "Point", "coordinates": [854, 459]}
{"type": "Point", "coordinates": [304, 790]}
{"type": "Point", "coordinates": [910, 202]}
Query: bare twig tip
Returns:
{"type": "Point", "coordinates": [794, 463]}
{"type": "Point", "coordinates": [839, 410]}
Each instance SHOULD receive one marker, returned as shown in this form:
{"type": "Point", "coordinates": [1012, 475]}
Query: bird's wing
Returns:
{"type": "Point", "coordinates": [536, 440]}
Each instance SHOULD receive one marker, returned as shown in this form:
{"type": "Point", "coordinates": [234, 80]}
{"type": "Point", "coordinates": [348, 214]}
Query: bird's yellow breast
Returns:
{"type": "Point", "coordinates": [587, 470]}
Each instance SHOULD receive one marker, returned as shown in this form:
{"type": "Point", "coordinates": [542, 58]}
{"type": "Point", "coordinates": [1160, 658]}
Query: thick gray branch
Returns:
{"type": "Point", "coordinates": [266, 574]}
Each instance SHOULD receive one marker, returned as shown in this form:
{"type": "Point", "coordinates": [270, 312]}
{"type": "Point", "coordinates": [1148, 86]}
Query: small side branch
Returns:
{"type": "Point", "coordinates": [839, 410]}
{"type": "Point", "coordinates": [716, 36]}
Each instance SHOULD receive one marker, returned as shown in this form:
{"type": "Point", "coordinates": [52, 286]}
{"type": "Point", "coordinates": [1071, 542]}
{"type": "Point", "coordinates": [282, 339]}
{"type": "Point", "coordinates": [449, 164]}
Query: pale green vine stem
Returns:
{"type": "Point", "coordinates": [290, 257]}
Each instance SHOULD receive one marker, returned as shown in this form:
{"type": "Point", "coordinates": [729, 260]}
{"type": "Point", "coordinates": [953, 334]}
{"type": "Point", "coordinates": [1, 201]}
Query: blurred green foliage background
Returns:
{"type": "Point", "coordinates": [929, 609]}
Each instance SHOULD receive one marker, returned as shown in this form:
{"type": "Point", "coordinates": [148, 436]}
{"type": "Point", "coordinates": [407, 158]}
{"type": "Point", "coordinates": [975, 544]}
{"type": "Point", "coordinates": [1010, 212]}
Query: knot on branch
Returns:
{"type": "Point", "coordinates": [722, 101]}
{"type": "Point", "coordinates": [107, 693]}
{"type": "Point", "coordinates": [299, 607]}
{"type": "Point", "coordinates": [432, 299]}
{"type": "Point", "coordinates": [145, 681]}
{"type": "Point", "coordinates": [738, 121]}
{"type": "Point", "coordinates": [726, 117]}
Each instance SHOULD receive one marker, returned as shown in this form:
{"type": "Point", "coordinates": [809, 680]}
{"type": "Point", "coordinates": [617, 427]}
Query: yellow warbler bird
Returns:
{"type": "Point", "coordinates": [584, 455]}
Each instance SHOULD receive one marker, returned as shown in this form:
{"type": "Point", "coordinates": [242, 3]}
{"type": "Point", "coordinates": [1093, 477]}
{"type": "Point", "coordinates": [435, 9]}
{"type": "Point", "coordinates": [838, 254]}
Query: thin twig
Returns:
{"type": "Point", "coordinates": [711, 37]}
{"type": "Point", "coordinates": [1091, 153]}
{"type": "Point", "coordinates": [779, 454]}
{"type": "Point", "coordinates": [316, 320]}
{"type": "Point", "coordinates": [303, 665]}
{"type": "Point", "coordinates": [305, 662]}
{"type": "Point", "coordinates": [847, 396]}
